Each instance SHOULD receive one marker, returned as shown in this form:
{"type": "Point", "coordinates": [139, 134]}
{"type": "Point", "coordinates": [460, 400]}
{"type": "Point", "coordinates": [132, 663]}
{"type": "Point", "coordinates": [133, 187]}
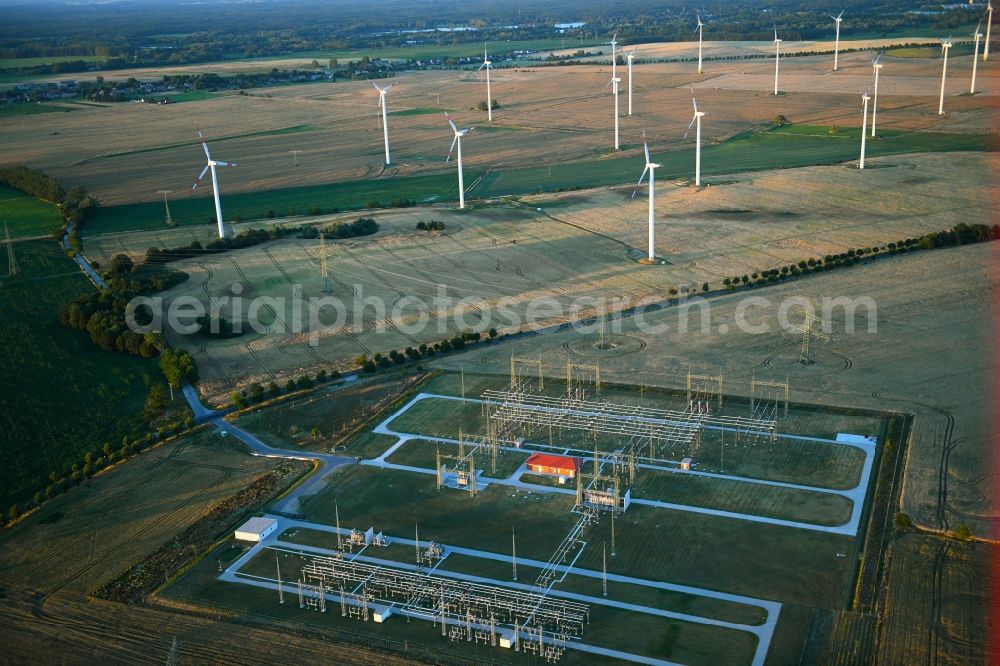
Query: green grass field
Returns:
{"type": "Point", "coordinates": [62, 395]}
{"type": "Point", "coordinates": [422, 453]}
{"type": "Point", "coordinates": [750, 498]}
{"type": "Point", "coordinates": [25, 215]}
{"type": "Point", "coordinates": [416, 111]}
{"type": "Point", "coordinates": [689, 642]}
{"type": "Point", "coordinates": [30, 109]}
{"type": "Point", "coordinates": [791, 461]}
{"type": "Point", "coordinates": [659, 544]}
{"type": "Point", "coordinates": [931, 51]}
{"type": "Point", "coordinates": [13, 63]}
{"type": "Point", "coordinates": [254, 205]}
{"type": "Point", "coordinates": [784, 147]}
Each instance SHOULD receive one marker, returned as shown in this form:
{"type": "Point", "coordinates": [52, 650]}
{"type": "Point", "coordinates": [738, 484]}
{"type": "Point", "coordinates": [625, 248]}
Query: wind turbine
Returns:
{"type": "Point", "coordinates": [978, 35]}
{"type": "Point", "coordinates": [700, 29]}
{"type": "Point", "coordinates": [630, 55]}
{"type": "Point", "coordinates": [458, 141]}
{"type": "Point", "coordinates": [614, 84]}
{"type": "Point", "coordinates": [651, 168]}
{"type": "Point", "coordinates": [385, 122]}
{"type": "Point", "coordinates": [945, 45]}
{"type": "Point", "coordinates": [836, 43]}
{"type": "Point", "coordinates": [696, 120]}
{"type": "Point", "coordinates": [777, 57]}
{"type": "Point", "coordinates": [989, 22]}
{"type": "Point", "coordinates": [614, 55]}
{"type": "Point", "coordinates": [210, 166]}
{"type": "Point", "coordinates": [489, 96]}
{"type": "Point", "coordinates": [864, 128]}
{"type": "Point", "coordinates": [877, 67]}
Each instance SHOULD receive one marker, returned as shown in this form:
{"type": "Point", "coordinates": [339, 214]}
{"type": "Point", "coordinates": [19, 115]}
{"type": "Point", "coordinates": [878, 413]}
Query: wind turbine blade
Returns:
{"type": "Point", "coordinates": [638, 184]}
{"type": "Point", "coordinates": [200, 176]}
{"type": "Point", "coordinates": [841, 14]}
{"type": "Point", "coordinates": [226, 164]}
{"type": "Point", "coordinates": [614, 37]}
{"type": "Point", "coordinates": [450, 122]}
{"type": "Point", "coordinates": [691, 124]}
{"type": "Point", "coordinates": [645, 147]}
{"type": "Point", "coordinates": [775, 33]}
{"type": "Point", "coordinates": [204, 145]}
{"type": "Point", "coordinates": [453, 142]}
{"type": "Point", "coordinates": [481, 67]}
{"type": "Point", "coordinates": [375, 86]}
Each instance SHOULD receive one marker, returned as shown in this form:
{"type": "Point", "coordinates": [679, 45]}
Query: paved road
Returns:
{"type": "Point", "coordinates": [84, 264]}
{"type": "Point", "coordinates": [325, 462]}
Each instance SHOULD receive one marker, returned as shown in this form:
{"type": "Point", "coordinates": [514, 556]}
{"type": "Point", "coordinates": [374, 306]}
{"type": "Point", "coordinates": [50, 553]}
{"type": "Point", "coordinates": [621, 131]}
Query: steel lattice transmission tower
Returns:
{"type": "Point", "coordinates": [12, 267]}
{"type": "Point", "coordinates": [166, 204]}
{"type": "Point", "coordinates": [808, 332]}
{"type": "Point", "coordinates": [324, 267]}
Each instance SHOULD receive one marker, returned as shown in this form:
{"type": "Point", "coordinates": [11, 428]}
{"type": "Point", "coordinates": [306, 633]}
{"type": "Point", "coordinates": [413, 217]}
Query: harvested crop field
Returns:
{"type": "Point", "coordinates": [126, 153]}
{"type": "Point", "coordinates": [576, 248]}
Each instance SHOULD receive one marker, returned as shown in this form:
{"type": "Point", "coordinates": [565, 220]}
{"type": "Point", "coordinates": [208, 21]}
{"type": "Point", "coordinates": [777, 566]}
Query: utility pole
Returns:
{"type": "Point", "coordinates": [277, 565]}
{"type": "Point", "coordinates": [604, 571]}
{"type": "Point", "coordinates": [613, 512]}
{"type": "Point", "coordinates": [340, 539]}
{"type": "Point", "coordinates": [513, 552]}
{"type": "Point", "coordinates": [295, 156]}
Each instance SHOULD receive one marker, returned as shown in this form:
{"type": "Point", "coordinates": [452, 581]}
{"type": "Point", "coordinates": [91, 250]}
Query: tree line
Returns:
{"type": "Point", "coordinates": [73, 205]}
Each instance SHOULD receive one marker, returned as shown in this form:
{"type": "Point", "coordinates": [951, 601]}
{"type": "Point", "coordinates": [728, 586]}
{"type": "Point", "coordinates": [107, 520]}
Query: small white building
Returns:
{"type": "Point", "coordinates": [686, 464]}
{"type": "Point", "coordinates": [256, 529]}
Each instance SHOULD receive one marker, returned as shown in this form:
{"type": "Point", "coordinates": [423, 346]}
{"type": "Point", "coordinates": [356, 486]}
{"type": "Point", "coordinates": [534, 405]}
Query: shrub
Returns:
{"type": "Point", "coordinates": [902, 522]}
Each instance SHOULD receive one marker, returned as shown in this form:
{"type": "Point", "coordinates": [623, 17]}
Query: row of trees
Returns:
{"type": "Point", "coordinates": [961, 234]}
{"type": "Point", "coordinates": [458, 342]}
{"type": "Point", "coordinates": [33, 182]}
{"type": "Point", "coordinates": [73, 205]}
{"type": "Point", "coordinates": [92, 462]}
{"type": "Point", "coordinates": [244, 239]}
{"type": "Point", "coordinates": [257, 392]}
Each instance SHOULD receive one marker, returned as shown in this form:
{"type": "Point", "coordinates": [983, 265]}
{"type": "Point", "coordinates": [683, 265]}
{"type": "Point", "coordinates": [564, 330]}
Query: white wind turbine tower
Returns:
{"type": "Point", "coordinates": [489, 96]}
{"type": "Point", "coordinates": [836, 43]}
{"type": "Point", "coordinates": [700, 29]}
{"type": "Point", "coordinates": [864, 128]}
{"type": "Point", "coordinates": [877, 67]}
{"type": "Point", "coordinates": [696, 121]}
{"type": "Point", "coordinates": [630, 55]}
{"type": "Point", "coordinates": [777, 58]}
{"type": "Point", "coordinates": [615, 81]}
{"type": "Point", "coordinates": [210, 166]}
{"type": "Point", "coordinates": [614, 55]}
{"type": "Point", "coordinates": [385, 122]}
{"type": "Point", "coordinates": [989, 22]}
{"type": "Point", "coordinates": [459, 133]}
{"type": "Point", "coordinates": [978, 35]}
{"type": "Point", "coordinates": [651, 168]}
{"type": "Point", "coordinates": [945, 45]}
